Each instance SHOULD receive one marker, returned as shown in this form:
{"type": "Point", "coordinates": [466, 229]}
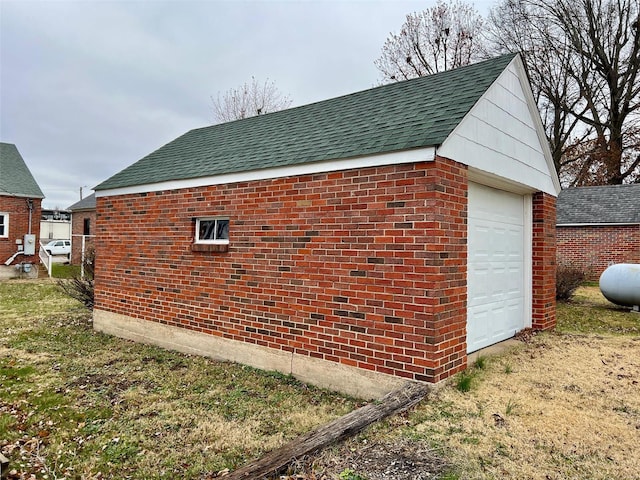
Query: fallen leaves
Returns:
{"type": "Point", "coordinates": [25, 458]}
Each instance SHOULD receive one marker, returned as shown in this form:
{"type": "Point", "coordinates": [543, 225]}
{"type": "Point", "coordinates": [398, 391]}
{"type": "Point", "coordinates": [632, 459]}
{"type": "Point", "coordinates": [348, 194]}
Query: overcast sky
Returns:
{"type": "Point", "coordinates": [90, 87]}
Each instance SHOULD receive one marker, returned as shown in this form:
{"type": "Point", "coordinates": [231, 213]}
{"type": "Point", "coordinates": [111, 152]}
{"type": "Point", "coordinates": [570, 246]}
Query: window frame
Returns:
{"type": "Point", "coordinates": [216, 241]}
{"type": "Point", "coordinates": [5, 224]}
{"type": "Point", "coordinates": [86, 226]}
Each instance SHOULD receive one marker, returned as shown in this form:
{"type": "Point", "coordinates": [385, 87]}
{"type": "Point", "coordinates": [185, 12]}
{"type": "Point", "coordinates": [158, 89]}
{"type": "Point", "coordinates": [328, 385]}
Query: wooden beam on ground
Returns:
{"type": "Point", "coordinates": [4, 466]}
{"type": "Point", "coordinates": [397, 401]}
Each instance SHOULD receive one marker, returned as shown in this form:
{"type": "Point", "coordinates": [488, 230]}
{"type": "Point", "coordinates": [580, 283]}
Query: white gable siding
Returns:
{"type": "Point", "coordinates": [502, 135]}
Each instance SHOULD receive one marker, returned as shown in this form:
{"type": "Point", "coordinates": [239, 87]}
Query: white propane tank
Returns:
{"type": "Point", "coordinates": [620, 284]}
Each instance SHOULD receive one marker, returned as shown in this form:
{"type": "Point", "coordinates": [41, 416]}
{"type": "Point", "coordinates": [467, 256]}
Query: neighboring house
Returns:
{"type": "Point", "coordinates": [55, 225]}
{"type": "Point", "coordinates": [355, 242]}
{"type": "Point", "coordinates": [83, 222]}
{"type": "Point", "coordinates": [598, 227]}
{"type": "Point", "coordinates": [20, 208]}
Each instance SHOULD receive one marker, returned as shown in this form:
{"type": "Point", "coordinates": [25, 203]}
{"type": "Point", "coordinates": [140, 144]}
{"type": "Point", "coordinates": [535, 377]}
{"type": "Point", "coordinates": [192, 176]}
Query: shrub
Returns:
{"type": "Point", "coordinates": [81, 287]}
{"type": "Point", "coordinates": [568, 279]}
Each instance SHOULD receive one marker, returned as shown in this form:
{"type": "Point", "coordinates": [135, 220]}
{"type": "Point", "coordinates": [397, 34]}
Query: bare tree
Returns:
{"type": "Point", "coordinates": [249, 100]}
{"type": "Point", "coordinates": [605, 35]}
{"type": "Point", "coordinates": [583, 58]}
{"type": "Point", "coordinates": [440, 38]}
{"type": "Point", "coordinates": [517, 26]}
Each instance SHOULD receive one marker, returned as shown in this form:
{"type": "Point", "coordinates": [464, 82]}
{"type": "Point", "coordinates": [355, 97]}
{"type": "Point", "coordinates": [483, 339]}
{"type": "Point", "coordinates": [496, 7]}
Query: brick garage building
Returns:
{"type": "Point", "coordinates": [83, 223]}
{"type": "Point", "coordinates": [354, 243]}
{"type": "Point", "coordinates": [599, 226]}
{"type": "Point", "coordinates": [20, 207]}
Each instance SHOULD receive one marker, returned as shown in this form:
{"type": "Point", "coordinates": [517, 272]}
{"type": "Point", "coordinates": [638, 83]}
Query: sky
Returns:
{"type": "Point", "coordinates": [87, 88]}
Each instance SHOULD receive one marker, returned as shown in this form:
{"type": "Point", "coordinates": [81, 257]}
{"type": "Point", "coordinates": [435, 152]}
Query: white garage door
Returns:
{"type": "Point", "coordinates": [496, 256]}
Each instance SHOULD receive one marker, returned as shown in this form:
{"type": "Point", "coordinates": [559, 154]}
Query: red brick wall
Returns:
{"type": "Point", "coordinates": [77, 228]}
{"type": "Point", "coordinates": [18, 212]}
{"type": "Point", "coordinates": [364, 267]}
{"type": "Point", "coordinates": [544, 262]}
{"type": "Point", "coordinates": [594, 248]}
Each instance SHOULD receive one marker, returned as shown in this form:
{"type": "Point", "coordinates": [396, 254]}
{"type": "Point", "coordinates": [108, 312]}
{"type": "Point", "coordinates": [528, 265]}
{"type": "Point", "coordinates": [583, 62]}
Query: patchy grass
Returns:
{"type": "Point", "coordinates": [559, 405]}
{"type": "Point", "coordinates": [61, 270]}
{"type": "Point", "coordinates": [24, 302]}
{"type": "Point", "coordinates": [569, 409]}
{"type": "Point", "coordinates": [83, 405]}
{"type": "Point", "coordinates": [590, 312]}
{"type": "Point", "coordinates": [79, 404]}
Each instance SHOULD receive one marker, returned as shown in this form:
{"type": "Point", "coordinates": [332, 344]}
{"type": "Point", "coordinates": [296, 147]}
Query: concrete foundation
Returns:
{"type": "Point", "coordinates": [16, 271]}
{"type": "Point", "coordinates": [334, 376]}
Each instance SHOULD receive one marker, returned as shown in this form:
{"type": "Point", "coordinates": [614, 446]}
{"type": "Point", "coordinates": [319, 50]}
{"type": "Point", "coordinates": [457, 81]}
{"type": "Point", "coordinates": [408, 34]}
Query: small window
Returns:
{"type": "Point", "coordinates": [4, 225]}
{"type": "Point", "coordinates": [87, 227]}
{"type": "Point", "coordinates": [212, 230]}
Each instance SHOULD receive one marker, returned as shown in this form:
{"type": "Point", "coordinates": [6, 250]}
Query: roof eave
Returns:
{"type": "Point", "coordinates": [22, 195]}
{"type": "Point", "coordinates": [85, 209]}
{"type": "Point", "coordinates": [535, 113]}
{"type": "Point", "coordinates": [423, 154]}
{"type": "Point", "coordinates": [603, 224]}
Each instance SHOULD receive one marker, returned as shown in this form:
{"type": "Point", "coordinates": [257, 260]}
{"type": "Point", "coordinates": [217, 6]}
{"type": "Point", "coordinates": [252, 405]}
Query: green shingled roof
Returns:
{"type": "Point", "coordinates": [400, 116]}
{"type": "Point", "coordinates": [15, 177]}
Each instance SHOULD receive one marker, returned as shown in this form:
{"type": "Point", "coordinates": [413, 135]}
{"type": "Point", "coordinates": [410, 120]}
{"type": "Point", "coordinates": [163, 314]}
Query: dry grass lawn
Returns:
{"type": "Point", "coordinates": [557, 406]}
{"type": "Point", "coordinates": [75, 404]}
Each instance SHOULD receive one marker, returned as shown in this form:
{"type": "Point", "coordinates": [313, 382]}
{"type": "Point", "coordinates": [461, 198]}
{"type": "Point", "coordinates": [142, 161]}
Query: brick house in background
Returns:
{"type": "Point", "coordinates": [55, 225]}
{"type": "Point", "coordinates": [20, 208]}
{"type": "Point", "coordinates": [83, 223]}
{"type": "Point", "coordinates": [355, 242]}
{"type": "Point", "coordinates": [598, 226]}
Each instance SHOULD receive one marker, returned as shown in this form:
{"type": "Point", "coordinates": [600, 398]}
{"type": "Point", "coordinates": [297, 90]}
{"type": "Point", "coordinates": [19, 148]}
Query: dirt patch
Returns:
{"type": "Point", "coordinates": [402, 460]}
{"type": "Point", "coordinates": [110, 387]}
{"type": "Point", "coordinates": [398, 458]}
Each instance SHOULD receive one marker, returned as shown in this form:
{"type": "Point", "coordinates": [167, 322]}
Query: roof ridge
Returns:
{"type": "Point", "coordinates": [431, 77]}
{"type": "Point", "coordinates": [603, 186]}
{"type": "Point", "coordinates": [415, 113]}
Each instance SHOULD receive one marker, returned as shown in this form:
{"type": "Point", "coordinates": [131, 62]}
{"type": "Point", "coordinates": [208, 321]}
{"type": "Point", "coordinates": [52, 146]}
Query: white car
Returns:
{"type": "Point", "coordinates": [58, 247]}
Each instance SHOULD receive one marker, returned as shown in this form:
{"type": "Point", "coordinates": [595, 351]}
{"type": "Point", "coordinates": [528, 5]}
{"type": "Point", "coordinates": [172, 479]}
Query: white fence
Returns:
{"type": "Point", "coordinates": [46, 259]}
{"type": "Point", "coordinates": [82, 251]}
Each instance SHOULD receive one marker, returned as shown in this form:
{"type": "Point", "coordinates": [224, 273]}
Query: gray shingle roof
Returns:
{"type": "Point", "coordinates": [87, 203]}
{"type": "Point", "coordinates": [15, 177]}
{"type": "Point", "coordinates": [400, 116]}
{"type": "Point", "coordinates": [603, 204]}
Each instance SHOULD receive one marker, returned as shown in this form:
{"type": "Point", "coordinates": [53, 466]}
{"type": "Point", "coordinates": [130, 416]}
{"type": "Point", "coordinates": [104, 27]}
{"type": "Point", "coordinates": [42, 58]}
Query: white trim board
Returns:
{"type": "Point", "coordinates": [395, 158]}
{"type": "Point", "coordinates": [491, 180]}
